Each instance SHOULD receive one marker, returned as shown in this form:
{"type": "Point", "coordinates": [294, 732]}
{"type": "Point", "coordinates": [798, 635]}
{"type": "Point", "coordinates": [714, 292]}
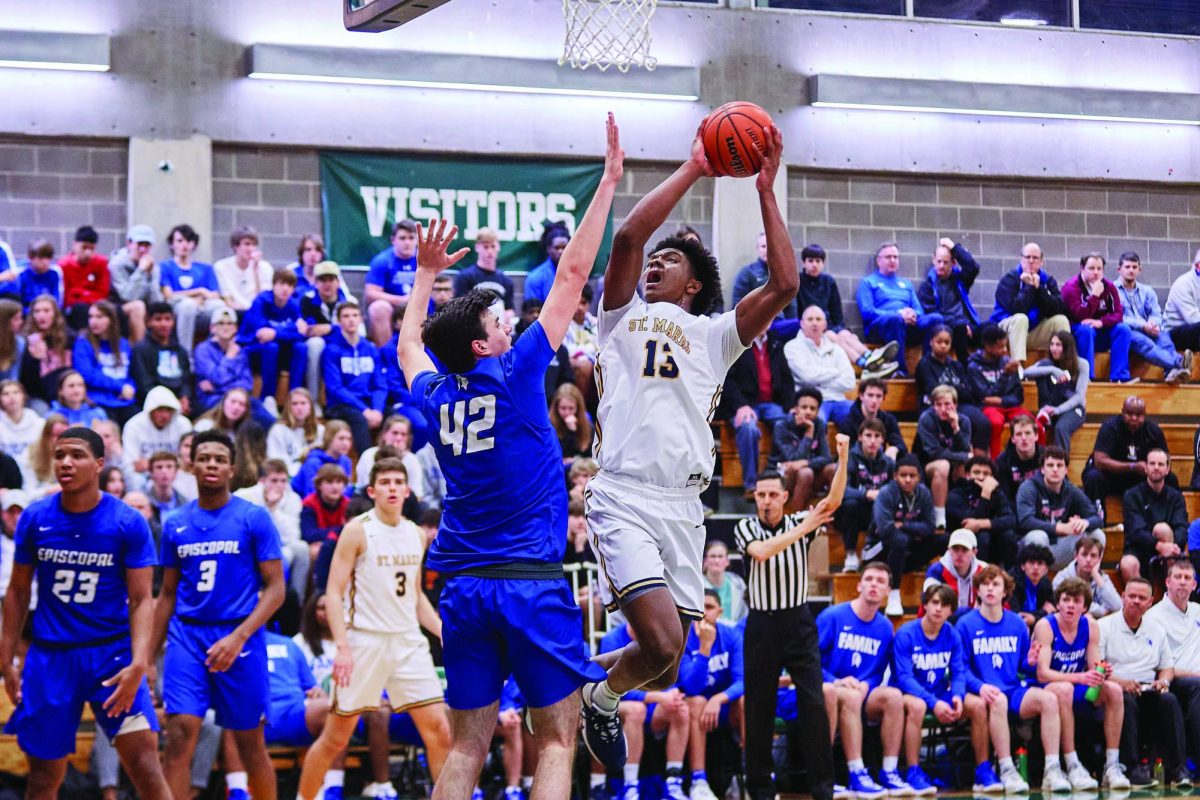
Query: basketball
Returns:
{"type": "Point", "coordinates": [733, 138]}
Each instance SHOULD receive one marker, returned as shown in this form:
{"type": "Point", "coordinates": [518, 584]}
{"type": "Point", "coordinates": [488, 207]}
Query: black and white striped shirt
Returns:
{"type": "Point", "coordinates": [780, 582]}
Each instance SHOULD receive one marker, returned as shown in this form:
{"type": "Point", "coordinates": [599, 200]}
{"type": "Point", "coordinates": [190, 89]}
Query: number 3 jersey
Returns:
{"type": "Point", "coordinates": [80, 562]}
{"type": "Point", "coordinates": [383, 590]}
{"type": "Point", "coordinates": [506, 500]}
{"type": "Point", "coordinates": [217, 554]}
{"type": "Point", "coordinates": [659, 373]}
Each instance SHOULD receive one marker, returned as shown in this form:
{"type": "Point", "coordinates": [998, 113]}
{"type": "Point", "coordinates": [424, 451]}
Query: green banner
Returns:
{"type": "Point", "coordinates": [363, 194]}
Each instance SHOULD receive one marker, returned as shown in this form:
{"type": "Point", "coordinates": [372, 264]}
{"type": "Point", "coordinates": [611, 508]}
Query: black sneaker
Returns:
{"type": "Point", "coordinates": [1181, 778]}
{"type": "Point", "coordinates": [1141, 777]}
{"type": "Point", "coordinates": [603, 735]}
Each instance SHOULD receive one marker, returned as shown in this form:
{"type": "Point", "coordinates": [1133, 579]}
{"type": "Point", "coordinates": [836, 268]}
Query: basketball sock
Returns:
{"type": "Point", "coordinates": [1071, 760]}
{"type": "Point", "coordinates": [699, 775]}
{"type": "Point", "coordinates": [1052, 762]}
{"type": "Point", "coordinates": [526, 782]}
{"type": "Point", "coordinates": [890, 763]}
{"type": "Point", "coordinates": [1112, 757]}
{"type": "Point", "coordinates": [631, 772]}
{"type": "Point", "coordinates": [1006, 765]}
{"type": "Point", "coordinates": [939, 516]}
{"type": "Point", "coordinates": [855, 764]}
{"type": "Point", "coordinates": [237, 780]}
{"type": "Point", "coordinates": [675, 765]}
{"type": "Point", "coordinates": [597, 779]}
{"type": "Point", "coordinates": [335, 777]}
{"type": "Point", "coordinates": [604, 699]}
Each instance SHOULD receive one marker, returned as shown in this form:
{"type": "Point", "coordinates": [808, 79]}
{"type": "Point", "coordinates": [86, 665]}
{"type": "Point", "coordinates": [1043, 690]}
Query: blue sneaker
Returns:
{"type": "Point", "coordinates": [894, 785]}
{"type": "Point", "coordinates": [861, 784]}
{"type": "Point", "coordinates": [332, 793]}
{"type": "Point", "coordinates": [919, 782]}
{"type": "Point", "coordinates": [477, 794]}
{"type": "Point", "coordinates": [513, 793]}
{"type": "Point", "coordinates": [237, 794]}
{"type": "Point", "coordinates": [598, 792]}
{"type": "Point", "coordinates": [603, 735]}
{"type": "Point", "coordinates": [986, 780]}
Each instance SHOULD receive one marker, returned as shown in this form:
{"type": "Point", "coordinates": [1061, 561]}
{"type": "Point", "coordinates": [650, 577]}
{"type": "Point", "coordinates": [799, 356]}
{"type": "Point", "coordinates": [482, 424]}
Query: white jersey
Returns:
{"type": "Point", "coordinates": [386, 581]}
{"type": "Point", "coordinates": [659, 373]}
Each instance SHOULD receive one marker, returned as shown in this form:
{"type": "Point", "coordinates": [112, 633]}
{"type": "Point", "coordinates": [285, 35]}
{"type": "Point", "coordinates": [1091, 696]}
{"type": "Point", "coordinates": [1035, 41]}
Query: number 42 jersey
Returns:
{"type": "Point", "coordinates": [506, 500]}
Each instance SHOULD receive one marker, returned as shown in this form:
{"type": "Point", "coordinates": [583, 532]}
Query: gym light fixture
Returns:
{"type": "Point", "coordinates": [1003, 100]}
{"type": "Point", "coordinates": [85, 52]}
{"type": "Point", "coordinates": [466, 72]}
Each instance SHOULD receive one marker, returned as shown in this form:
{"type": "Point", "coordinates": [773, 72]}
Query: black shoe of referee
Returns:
{"type": "Point", "coordinates": [603, 734]}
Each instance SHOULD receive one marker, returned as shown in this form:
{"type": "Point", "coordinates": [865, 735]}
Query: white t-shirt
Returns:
{"type": "Point", "coordinates": [1183, 632]}
{"type": "Point", "coordinates": [1134, 655]}
{"type": "Point", "coordinates": [240, 285]}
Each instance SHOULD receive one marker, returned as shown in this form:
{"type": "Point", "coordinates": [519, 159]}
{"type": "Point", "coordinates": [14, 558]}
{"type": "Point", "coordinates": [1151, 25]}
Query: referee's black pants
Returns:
{"type": "Point", "coordinates": [775, 640]}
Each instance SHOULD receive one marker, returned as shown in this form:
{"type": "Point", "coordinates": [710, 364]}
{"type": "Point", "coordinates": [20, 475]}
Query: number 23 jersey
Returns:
{"type": "Point", "coordinates": [659, 372]}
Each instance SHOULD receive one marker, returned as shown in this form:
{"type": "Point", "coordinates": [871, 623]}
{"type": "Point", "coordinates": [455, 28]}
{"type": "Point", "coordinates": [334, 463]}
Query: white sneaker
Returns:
{"type": "Point", "coordinates": [895, 608]}
{"type": "Point", "coordinates": [1053, 781]}
{"type": "Point", "coordinates": [841, 792]}
{"type": "Point", "coordinates": [1114, 778]}
{"type": "Point", "coordinates": [701, 791]}
{"type": "Point", "coordinates": [1081, 780]}
{"type": "Point", "coordinates": [1013, 782]}
{"type": "Point", "coordinates": [380, 790]}
{"type": "Point", "coordinates": [851, 564]}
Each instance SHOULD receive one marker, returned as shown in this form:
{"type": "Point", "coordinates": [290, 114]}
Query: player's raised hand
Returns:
{"type": "Point", "coordinates": [772, 155]}
{"type": "Point", "coordinates": [433, 242]}
{"type": "Point", "coordinates": [127, 682]}
{"type": "Point", "coordinates": [223, 652]}
{"type": "Point", "coordinates": [843, 445]}
{"type": "Point", "coordinates": [12, 682]}
{"type": "Point", "coordinates": [698, 158]}
{"type": "Point", "coordinates": [614, 156]}
{"type": "Point", "coordinates": [343, 666]}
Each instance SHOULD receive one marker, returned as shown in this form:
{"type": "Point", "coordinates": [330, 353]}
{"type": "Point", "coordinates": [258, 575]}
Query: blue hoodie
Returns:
{"type": "Point", "coordinates": [720, 671]}
{"type": "Point", "coordinates": [882, 296]}
{"type": "Point", "coordinates": [263, 313]}
{"type": "Point", "coordinates": [103, 376]}
{"type": "Point", "coordinates": [211, 364]}
{"type": "Point", "coordinates": [353, 374]}
{"type": "Point", "coordinates": [1015, 297]}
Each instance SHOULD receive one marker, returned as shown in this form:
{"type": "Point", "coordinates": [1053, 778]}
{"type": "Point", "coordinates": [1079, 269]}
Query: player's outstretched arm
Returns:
{"type": "Point", "coordinates": [576, 262]}
{"type": "Point", "coordinates": [349, 546]}
{"type": "Point", "coordinates": [16, 609]}
{"type": "Point", "coordinates": [837, 487]}
{"type": "Point", "coordinates": [757, 309]}
{"type": "Point", "coordinates": [629, 243]}
{"type": "Point", "coordinates": [139, 584]}
{"type": "Point", "coordinates": [223, 652]}
{"type": "Point", "coordinates": [432, 258]}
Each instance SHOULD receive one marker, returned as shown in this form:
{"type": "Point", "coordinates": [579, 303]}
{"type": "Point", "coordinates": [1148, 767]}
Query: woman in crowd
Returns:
{"type": "Point", "coordinates": [185, 480]}
{"type": "Point", "coordinates": [396, 432]}
{"type": "Point", "coordinates": [227, 416]}
{"type": "Point", "coordinates": [103, 357]}
{"type": "Point", "coordinates": [571, 422]}
{"type": "Point", "coordinates": [1062, 382]}
{"type": "Point", "coordinates": [12, 341]}
{"type": "Point", "coordinates": [73, 401]}
{"type": "Point", "coordinates": [251, 444]}
{"type": "Point", "coordinates": [20, 427]}
{"type": "Point", "coordinates": [42, 457]}
{"type": "Point", "coordinates": [112, 481]}
{"type": "Point", "coordinates": [335, 449]}
{"type": "Point", "coordinates": [49, 349]}
{"type": "Point", "coordinates": [296, 432]}
{"type": "Point", "coordinates": [938, 367]}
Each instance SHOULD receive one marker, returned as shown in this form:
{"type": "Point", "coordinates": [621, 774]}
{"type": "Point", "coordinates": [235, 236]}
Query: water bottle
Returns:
{"type": "Point", "coordinates": [1093, 692]}
{"type": "Point", "coordinates": [1160, 778]}
{"type": "Point", "coordinates": [1023, 764]}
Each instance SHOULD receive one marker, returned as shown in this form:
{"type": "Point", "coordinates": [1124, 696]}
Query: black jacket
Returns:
{"type": "Point", "coordinates": [891, 437]}
{"type": "Point", "coordinates": [1143, 509]}
{"type": "Point", "coordinates": [966, 502]}
{"type": "Point", "coordinates": [932, 373]}
{"type": "Point", "coordinates": [1115, 440]}
{"type": "Point", "coordinates": [1011, 469]}
{"type": "Point", "coordinates": [155, 364]}
{"type": "Point", "coordinates": [741, 384]}
{"type": "Point", "coordinates": [936, 440]}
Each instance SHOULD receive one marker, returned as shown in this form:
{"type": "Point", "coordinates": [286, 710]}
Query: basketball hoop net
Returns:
{"type": "Point", "coordinates": [608, 33]}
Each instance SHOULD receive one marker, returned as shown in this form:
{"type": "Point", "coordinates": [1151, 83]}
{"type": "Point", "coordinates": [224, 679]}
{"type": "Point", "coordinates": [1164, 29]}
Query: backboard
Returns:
{"type": "Point", "coordinates": [381, 15]}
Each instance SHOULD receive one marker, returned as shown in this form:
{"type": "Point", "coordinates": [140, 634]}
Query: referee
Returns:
{"type": "Point", "coordinates": [780, 631]}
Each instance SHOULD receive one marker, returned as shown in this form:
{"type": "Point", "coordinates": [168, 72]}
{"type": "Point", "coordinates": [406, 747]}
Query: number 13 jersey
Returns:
{"type": "Point", "coordinates": [385, 584]}
{"type": "Point", "coordinates": [659, 373]}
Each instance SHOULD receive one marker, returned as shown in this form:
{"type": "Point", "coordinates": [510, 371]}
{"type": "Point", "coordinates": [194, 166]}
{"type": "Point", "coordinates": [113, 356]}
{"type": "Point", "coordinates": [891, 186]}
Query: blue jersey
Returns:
{"type": "Point", "coordinates": [291, 677]}
{"type": "Point", "coordinates": [391, 273]}
{"type": "Point", "coordinates": [995, 652]}
{"type": "Point", "coordinates": [198, 275]}
{"type": "Point", "coordinates": [506, 500]}
{"type": "Point", "coordinates": [80, 562]}
{"type": "Point", "coordinates": [931, 669]}
{"type": "Point", "coordinates": [1070, 656]}
{"type": "Point", "coordinates": [217, 554]}
{"type": "Point", "coordinates": [720, 671]}
{"type": "Point", "coordinates": [853, 648]}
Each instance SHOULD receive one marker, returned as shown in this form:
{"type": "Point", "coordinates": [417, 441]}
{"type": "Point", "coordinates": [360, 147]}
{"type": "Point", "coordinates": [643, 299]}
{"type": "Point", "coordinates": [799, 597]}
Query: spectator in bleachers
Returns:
{"type": "Point", "coordinates": [12, 341]}
{"type": "Point", "coordinates": [113, 482]}
{"type": "Point", "coordinates": [928, 667]}
{"type": "Point", "coordinates": [712, 678]}
{"type": "Point", "coordinates": [20, 428]}
{"type": "Point", "coordinates": [189, 286]}
{"type": "Point", "coordinates": [869, 405]}
{"type": "Point", "coordinates": [1149, 337]}
{"type": "Point", "coordinates": [1104, 599]}
{"type": "Point", "coordinates": [754, 275]}
{"type": "Point", "coordinates": [1029, 306]}
{"type": "Point", "coordinates": [977, 503]}
{"type": "Point", "coordinates": [579, 547]}
{"type": "Point", "coordinates": [41, 459]}
{"type": "Point", "coordinates": [399, 398]}
{"type": "Point", "coordinates": [856, 649]}
{"type": "Point", "coordinates": [868, 471]}
{"type": "Point", "coordinates": [251, 442]}
{"type": "Point", "coordinates": [996, 646]}
{"type": "Point", "coordinates": [1053, 513]}
{"type": "Point", "coordinates": [185, 480]}
{"type": "Point", "coordinates": [318, 307]}
{"type": "Point", "coordinates": [1094, 308]}
{"type": "Point", "coordinates": [1181, 315]}
{"type": "Point", "coordinates": [1066, 649]}
{"type": "Point", "coordinates": [484, 272]}
{"type": "Point", "coordinates": [10, 477]}
{"type": "Point", "coordinates": [759, 386]}
{"type": "Point", "coordinates": [334, 450]}
{"type": "Point", "coordinates": [296, 432]}
{"type": "Point", "coordinates": [821, 290]}
{"type": "Point", "coordinates": [396, 432]}
{"type": "Point", "coordinates": [43, 277]}
{"type": "Point", "coordinates": [244, 275]}
{"type": "Point", "coordinates": [942, 446]}
{"type": "Point", "coordinates": [136, 279]}
{"type": "Point", "coordinates": [49, 349]}
{"type": "Point", "coordinates": [956, 569]}
{"type": "Point", "coordinates": [1118, 460]}
{"type": "Point", "coordinates": [13, 503]}
{"type": "Point", "coordinates": [8, 265]}
{"type": "Point", "coordinates": [582, 471]}
{"type": "Point", "coordinates": [164, 466]}
{"type": "Point", "coordinates": [390, 278]}
{"type": "Point", "coordinates": [1021, 459]}
{"type": "Point", "coordinates": [1155, 518]}
{"type": "Point", "coordinates": [160, 360]}
{"type": "Point", "coordinates": [274, 493]}
{"type": "Point", "coordinates": [272, 334]}
{"type": "Point", "coordinates": [903, 532]}
{"type": "Point", "coordinates": [85, 277]}
{"type": "Point", "coordinates": [1180, 621]}
{"type": "Point", "coordinates": [582, 343]}
{"type": "Point", "coordinates": [816, 361]}
{"type": "Point", "coordinates": [946, 291]}
{"type": "Point", "coordinates": [221, 365]}
{"type": "Point", "coordinates": [352, 371]}
{"type": "Point", "coordinates": [1140, 660]}
{"type": "Point", "coordinates": [938, 367]}
{"type": "Point", "coordinates": [995, 383]}
{"type": "Point", "coordinates": [114, 451]}
{"type": "Point", "coordinates": [800, 449]}
{"type": "Point", "coordinates": [323, 514]}
{"type": "Point", "coordinates": [889, 305]}
{"type": "Point", "coordinates": [1032, 595]}
{"type": "Point", "coordinates": [103, 357]}
{"type": "Point", "coordinates": [1062, 382]}
{"type": "Point", "coordinates": [571, 422]}
{"type": "Point", "coordinates": [310, 253]}
{"type": "Point", "coordinates": [228, 415]}
{"type": "Point", "coordinates": [73, 401]}
{"type": "Point", "coordinates": [156, 428]}
{"type": "Point", "coordinates": [555, 237]}
{"type": "Point", "coordinates": [729, 586]}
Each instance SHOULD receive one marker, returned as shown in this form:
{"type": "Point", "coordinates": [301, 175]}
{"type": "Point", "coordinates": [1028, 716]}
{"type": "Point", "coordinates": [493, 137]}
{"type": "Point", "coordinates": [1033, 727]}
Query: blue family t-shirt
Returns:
{"type": "Point", "coordinates": [391, 273]}
{"type": "Point", "coordinates": [851, 648]}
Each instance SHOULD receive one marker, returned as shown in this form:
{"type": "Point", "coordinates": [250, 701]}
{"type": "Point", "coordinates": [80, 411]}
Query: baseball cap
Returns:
{"type": "Point", "coordinates": [327, 268]}
{"type": "Point", "coordinates": [963, 538]}
{"type": "Point", "coordinates": [223, 315]}
{"type": "Point", "coordinates": [15, 497]}
{"type": "Point", "coordinates": [141, 233]}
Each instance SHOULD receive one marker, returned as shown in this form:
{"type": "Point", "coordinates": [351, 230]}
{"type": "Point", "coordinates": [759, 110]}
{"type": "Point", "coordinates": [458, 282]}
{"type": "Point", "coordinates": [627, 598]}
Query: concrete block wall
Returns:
{"type": "Point", "coordinates": [851, 215]}
{"type": "Point", "coordinates": [49, 188]}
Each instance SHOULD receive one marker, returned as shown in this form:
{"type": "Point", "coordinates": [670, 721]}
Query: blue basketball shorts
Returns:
{"type": "Point", "coordinates": [287, 725]}
{"type": "Point", "coordinates": [239, 695]}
